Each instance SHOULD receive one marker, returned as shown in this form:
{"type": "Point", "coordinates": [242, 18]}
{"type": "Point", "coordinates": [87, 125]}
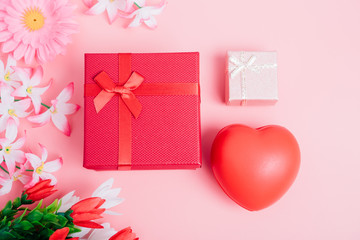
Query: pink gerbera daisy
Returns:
{"type": "Point", "coordinates": [37, 29]}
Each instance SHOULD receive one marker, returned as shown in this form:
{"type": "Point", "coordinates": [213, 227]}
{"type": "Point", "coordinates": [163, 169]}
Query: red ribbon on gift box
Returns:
{"type": "Point", "coordinates": [130, 84]}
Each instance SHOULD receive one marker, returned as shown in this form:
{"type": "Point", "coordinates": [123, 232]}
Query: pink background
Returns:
{"type": "Point", "coordinates": [318, 44]}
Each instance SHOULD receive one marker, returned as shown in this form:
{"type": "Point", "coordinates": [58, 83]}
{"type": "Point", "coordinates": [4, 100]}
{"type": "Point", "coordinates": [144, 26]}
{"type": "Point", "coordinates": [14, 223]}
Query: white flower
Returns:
{"type": "Point", "coordinates": [29, 81]}
{"type": "Point", "coordinates": [68, 201]}
{"type": "Point", "coordinates": [58, 111]}
{"type": "Point", "coordinates": [11, 109]}
{"type": "Point", "coordinates": [146, 15]}
{"type": "Point", "coordinates": [102, 233]}
{"type": "Point", "coordinates": [42, 170]}
{"type": "Point", "coordinates": [6, 181]}
{"type": "Point", "coordinates": [104, 191]}
{"type": "Point", "coordinates": [7, 75]}
{"type": "Point", "coordinates": [10, 148]}
{"type": "Point", "coordinates": [111, 7]}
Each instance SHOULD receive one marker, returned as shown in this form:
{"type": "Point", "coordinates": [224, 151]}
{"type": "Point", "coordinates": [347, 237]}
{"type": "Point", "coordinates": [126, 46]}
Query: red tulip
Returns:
{"type": "Point", "coordinates": [125, 234]}
{"type": "Point", "coordinates": [40, 190]}
{"type": "Point", "coordinates": [61, 234]}
{"type": "Point", "coordinates": [87, 210]}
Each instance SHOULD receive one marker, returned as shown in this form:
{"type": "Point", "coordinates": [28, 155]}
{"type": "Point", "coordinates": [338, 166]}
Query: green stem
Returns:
{"type": "Point", "coordinates": [45, 105]}
{"type": "Point", "coordinates": [136, 5]}
{"type": "Point", "coordinates": [16, 100]}
{"type": "Point", "coordinates": [27, 170]}
{"type": "Point", "coordinates": [4, 169]}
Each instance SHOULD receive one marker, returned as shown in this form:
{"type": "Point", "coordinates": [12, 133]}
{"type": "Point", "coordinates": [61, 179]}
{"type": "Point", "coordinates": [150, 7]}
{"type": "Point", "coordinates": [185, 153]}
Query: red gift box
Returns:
{"type": "Point", "coordinates": [142, 111]}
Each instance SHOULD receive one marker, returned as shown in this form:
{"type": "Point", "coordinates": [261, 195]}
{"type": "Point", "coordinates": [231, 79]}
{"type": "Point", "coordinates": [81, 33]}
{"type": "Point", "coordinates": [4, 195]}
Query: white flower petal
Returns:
{"type": "Point", "coordinates": [41, 119]}
{"type": "Point", "coordinates": [19, 92]}
{"type": "Point", "coordinates": [53, 166]}
{"type": "Point", "coordinates": [11, 62]}
{"type": "Point", "coordinates": [6, 187]}
{"type": "Point", "coordinates": [36, 100]}
{"type": "Point", "coordinates": [37, 76]}
{"type": "Point", "coordinates": [45, 176]}
{"type": "Point", "coordinates": [66, 94]}
{"type": "Point", "coordinates": [11, 130]}
{"type": "Point", "coordinates": [97, 9]}
{"type": "Point", "coordinates": [67, 108]}
{"type": "Point", "coordinates": [61, 123]}
{"type": "Point", "coordinates": [34, 160]}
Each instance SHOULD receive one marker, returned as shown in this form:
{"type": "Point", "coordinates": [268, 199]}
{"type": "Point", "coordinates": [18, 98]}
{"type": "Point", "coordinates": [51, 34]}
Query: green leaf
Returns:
{"type": "Point", "coordinates": [16, 203]}
{"type": "Point", "coordinates": [37, 223]}
{"type": "Point", "coordinates": [74, 230]}
{"type": "Point", "coordinates": [24, 225]}
{"type": "Point", "coordinates": [34, 215]}
{"type": "Point", "coordinates": [6, 236]}
{"type": "Point", "coordinates": [18, 219]}
{"type": "Point", "coordinates": [62, 220]}
{"type": "Point", "coordinates": [52, 207]}
{"type": "Point", "coordinates": [39, 205]}
{"type": "Point", "coordinates": [50, 217]}
{"type": "Point", "coordinates": [24, 200]}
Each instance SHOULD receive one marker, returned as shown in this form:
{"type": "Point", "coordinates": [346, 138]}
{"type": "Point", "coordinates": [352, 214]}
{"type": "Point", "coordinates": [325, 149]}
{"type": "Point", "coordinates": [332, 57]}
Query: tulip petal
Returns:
{"type": "Point", "coordinates": [60, 234]}
{"type": "Point", "coordinates": [88, 224]}
{"type": "Point", "coordinates": [87, 204]}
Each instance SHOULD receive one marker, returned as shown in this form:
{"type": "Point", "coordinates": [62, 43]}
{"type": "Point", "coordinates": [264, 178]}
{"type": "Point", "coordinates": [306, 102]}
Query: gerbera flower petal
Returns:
{"type": "Point", "coordinates": [61, 123]}
{"type": "Point", "coordinates": [53, 166]}
{"type": "Point", "coordinates": [9, 46]}
{"type": "Point", "coordinates": [29, 55]}
{"type": "Point", "coordinates": [5, 35]}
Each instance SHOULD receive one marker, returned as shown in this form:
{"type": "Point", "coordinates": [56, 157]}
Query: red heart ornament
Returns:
{"type": "Point", "coordinates": [255, 167]}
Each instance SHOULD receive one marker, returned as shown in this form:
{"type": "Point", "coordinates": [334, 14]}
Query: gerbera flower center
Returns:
{"type": "Point", "coordinates": [29, 90]}
{"type": "Point", "coordinates": [33, 19]}
{"type": "Point", "coordinates": [7, 76]}
{"type": "Point", "coordinates": [39, 169]}
{"type": "Point", "coordinates": [8, 150]}
{"type": "Point", "coordinates": [11, 112]}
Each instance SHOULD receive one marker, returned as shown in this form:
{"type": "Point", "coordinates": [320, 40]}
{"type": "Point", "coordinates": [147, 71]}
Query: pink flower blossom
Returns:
{"type": "Point", "coordinates": [6, 181]}
{"type": "Point", "coordinates": [10, 148]}
{"type": "Point", "coordinates": [111, 6]}
{"type": "Point", "coordinates": [42, 169]}
{"type": "Point", "coordinates": [7, 75]}
{"type": "Point", "coordinates": [38, 29]}
{"type": "Point", "coordinates": [58, 111]}
{"type": "Point", "coordinates": [145, 15]}
{"type": "Point", "coordinates": [29, 81]}
{"type": "Point", "coordinates": [11, 109]}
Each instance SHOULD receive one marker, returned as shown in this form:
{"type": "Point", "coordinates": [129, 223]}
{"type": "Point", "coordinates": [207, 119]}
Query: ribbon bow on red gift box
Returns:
{"type": "Point", "coordinates": [109, 89]}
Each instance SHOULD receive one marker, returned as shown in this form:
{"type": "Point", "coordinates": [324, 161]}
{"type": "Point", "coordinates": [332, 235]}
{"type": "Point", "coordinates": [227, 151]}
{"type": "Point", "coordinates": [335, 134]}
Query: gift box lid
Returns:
{"type": "Point", "coordinates": [166, 134]}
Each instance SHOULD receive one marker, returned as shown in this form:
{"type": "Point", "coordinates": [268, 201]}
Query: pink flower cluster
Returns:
{"type": "Point", "coordinates": [36, 29]}
{"type": "Point", "coordinates": [20, 97]}
{"type": "Point", "coordinates": [135, 9]}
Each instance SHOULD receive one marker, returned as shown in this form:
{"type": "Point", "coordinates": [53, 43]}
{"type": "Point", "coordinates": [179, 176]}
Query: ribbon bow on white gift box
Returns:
{"type": "Point", "coordinates": [239, 65]}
